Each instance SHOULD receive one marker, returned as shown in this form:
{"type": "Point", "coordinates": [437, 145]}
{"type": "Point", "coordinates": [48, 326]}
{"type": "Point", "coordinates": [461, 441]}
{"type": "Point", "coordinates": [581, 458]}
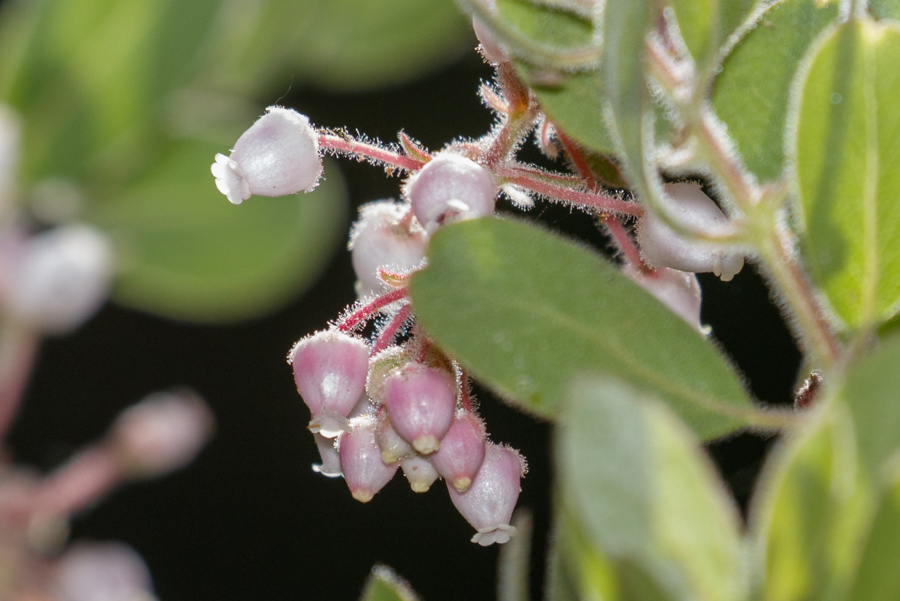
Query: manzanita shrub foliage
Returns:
{"type": "Point", "coordinates": [700, 134]}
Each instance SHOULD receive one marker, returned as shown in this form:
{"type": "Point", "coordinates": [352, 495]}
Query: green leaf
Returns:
{"type": "Point", "coordinates": [187, 253]}
{"type": "Point", "coordinates": [525, 310]}
{"type": "Point", "coordinates": [870, 391]}
{"type": "Point", "coordinates": [706, 24]}
{"type": "Point", "coordinates": [383, 584]}
{"type": "Point", "coordinates": [573, 101]}
{"type": "Point", "coordinates": [647, 497]}
{"type": "Point", "coordinates": [877, 576]}
{"type": "Point", "coordinates": [885, 9]}
{"type": "Point", "coordinates": [514, 564]}
{"type": "Point", "coordinates": [751, 95]}
{"type": "Point", "coordinates": [846, 151]}
{"type": "Point", "coordinates": [806, 520]}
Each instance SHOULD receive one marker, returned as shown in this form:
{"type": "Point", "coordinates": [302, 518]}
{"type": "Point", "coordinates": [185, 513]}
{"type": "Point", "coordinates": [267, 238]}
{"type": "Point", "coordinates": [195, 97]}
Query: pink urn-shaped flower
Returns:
{"type": "Point", "coordinates": [448, 188]}
{"type": "Point", "coordinates": [661, 246]}
{"type": "Point", "coordinates": [419, 472]}
{"type": "Point", "coordinates": [278, 155]}
{"type": "Point", "coordinates": [420, 401]}
{"type": "Point", "coordinates": [330, 370]}
{"type": "Point", "coordinates": [489, 502]}
{"type": "Point", "coordinates": [361, 464]}
{"type": "Point", "coordinates": [462, 451]}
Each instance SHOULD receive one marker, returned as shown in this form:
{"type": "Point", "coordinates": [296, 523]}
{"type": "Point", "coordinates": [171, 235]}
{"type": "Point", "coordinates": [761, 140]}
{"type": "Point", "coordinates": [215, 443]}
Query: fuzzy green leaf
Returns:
{"type": "Point", "coordinates": [649, 500]}
{"type": "Point", "coordinates": [185, 252]}
{"type": "Point", "coordinates": [846, 151]}
{"type": "Point", "coordinates": [525, 310]}
{"type": "Point", "coordinates": [885, 9]}
{"type": "Point", "coordinates": [383, 584]}
{"type": "Point", "coordinates": [877, 576]}
{"type": "Point", "coordinates": [751, 95]}
{"type": "Point", "coordinates": [706, 24]}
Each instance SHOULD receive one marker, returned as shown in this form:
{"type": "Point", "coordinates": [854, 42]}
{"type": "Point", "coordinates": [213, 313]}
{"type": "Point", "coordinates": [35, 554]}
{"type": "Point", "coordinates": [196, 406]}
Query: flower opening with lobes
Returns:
{"type": "Point", "coordinates": [663, 247]}
{"type": "Point", "coordinates": [278, 155]}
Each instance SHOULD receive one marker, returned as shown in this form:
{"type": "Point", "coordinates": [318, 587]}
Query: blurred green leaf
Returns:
{"type": "Point", "coordinates": [383, 584]}
{"type": "Point", "coordinates": [648, 498]}
{"type": "Point", "coordinates": [514, 564]}
{"type": "Point", "coordinates": [877, 576]}
{"type": "Point", "coordinates": [808, 514]}
{"type": "Point", "coordinates": [525, 310]}
{"type": "Point", "coordinates": [752, 92]}
{"type": "Point", "coordinates": [187, 253]}
{"type": "Point", "coordinates": [846, 154]}
{"type": "Point", "coordinates": [885, 9]}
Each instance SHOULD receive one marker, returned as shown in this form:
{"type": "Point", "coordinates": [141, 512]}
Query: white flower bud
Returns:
{"type": "Point", "coordinates": [380, 239]}
{"type": "Point", "coordinates": [448, 188]}
{"type": "Point", "coordinates": [663, 247]}
{"type": "Point", "coordinates": [103, 572]}
{"type": "Point", "coordinates": [59, 278]}
{"type": "Point", "coordinates": [278, 155]}
{"type": "Point", "coordinates": [163, 432]}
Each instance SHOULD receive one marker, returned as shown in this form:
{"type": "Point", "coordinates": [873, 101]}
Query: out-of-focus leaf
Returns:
{"type": "Point", "coordinates": [846, 153]}
{"type": "Point", "coordinates": [187, 253]}
{"type": "Point", "coordinates": [649, 501]}
{"type": "Point", "coordinates": [525, 310]}
{"type": "Point", "coordinates": [885, 9]}
{"type": "Point", "coordinates": [515, 560]}
{"type": "Point", "coordinates": [877, 576]}
{"type": "Point", "coordinates": [705, 25]}
{"type": "Point", "coordinates": [384, 585]}
{"type": "Point", "coordinates": [752, 92]}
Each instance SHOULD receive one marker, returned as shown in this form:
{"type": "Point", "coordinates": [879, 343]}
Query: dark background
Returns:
{"type": "Point", "coordinates": [249, 520]}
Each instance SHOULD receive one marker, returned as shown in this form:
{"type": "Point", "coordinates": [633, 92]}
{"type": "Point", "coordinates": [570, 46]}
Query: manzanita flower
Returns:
{"type": "Point", "coordinates": [663, 247]}
{"type": "Point", "coordinates": [448, 188]}
{"type": "Point", "coordinates": [331, 460]}
{"type": "Point", "coordinates": [361, 464]}
{"type": "Point", "coordinates": [59, 278]}
{"type": "Point", "coordinates": [462, 451]}
{"type": "Point", "coordinates": [278, 155]}
{"type": "Point", "coordinates": [330, 369]}
{"type": "Point", "coordinates": [102, 572]}
{"type": "Point", "coordinates": [386, 237]}
{"type": "Point", "coordinates": [393, 446]}
{"type": "Point", "coordinates": [420, 401]}
{"type": "Point", "coordinates": [679, 291]}
{"type": "Point", "coordinates": [489, 502]}
{"type": "Point", "coordinates": [419, 472]}
{"type": "Point", "coordinates": [163, 432]}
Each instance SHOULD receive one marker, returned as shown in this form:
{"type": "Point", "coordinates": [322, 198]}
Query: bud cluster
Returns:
{"type": "Point", "coordinates": [406, 407]}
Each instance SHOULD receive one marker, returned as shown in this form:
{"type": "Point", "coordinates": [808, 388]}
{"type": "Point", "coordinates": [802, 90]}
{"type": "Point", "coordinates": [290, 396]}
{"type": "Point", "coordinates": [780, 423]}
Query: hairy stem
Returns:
{"type": "Point", "coordinates": [582, 200]}
{"type": "Point", "coordinates": [373, 152]}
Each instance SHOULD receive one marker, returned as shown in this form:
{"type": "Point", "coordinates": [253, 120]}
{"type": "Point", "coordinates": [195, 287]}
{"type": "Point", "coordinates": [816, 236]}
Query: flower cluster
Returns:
{"type": "Point", "coordinates": [395, 401]}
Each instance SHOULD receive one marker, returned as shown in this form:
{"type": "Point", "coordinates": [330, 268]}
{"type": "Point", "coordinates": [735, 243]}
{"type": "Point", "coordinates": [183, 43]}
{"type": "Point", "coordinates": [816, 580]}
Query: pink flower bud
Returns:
{"type": "Point", "coordinates": [330, 370]}
{"type": "Point", "coordinates": [489, 502]}
{"type": "Point", "coordinates": [461, 452]}
{"type": "Point", "coordinates": [448, 188]}
{"type": "Point", "coordinates": [420, 401]}
{"type": "Point", "coordinates": [59, 278]}
{"type": "Point", "coordinates": [361, 464]}
{"type": "Point", "coordinates": [331, 460]}
{"type": "Point", "coordinates": [381, 239]}
{"type": "Point", "coordinates": [662, 247]}
{"type": "Point", "coordinates": [393, 446]}
{"type": "Point", "coordinates": [420, 473]}
{"type": "Point", "coordinates": [490, 48]}
{"type": "Point", "coordinates": [278, 155]}
{"type": "Point", "coordinates": [677, 290]}
{"type": "Point", "coordinates": [102, 572]}
{"type": "Point", "coordinates": [163, 432]}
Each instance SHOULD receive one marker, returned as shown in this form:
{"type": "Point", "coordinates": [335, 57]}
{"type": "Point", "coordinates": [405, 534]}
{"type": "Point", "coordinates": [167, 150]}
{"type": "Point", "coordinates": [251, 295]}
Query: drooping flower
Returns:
{"type": "Point", "coordinates": [420, 401]}
{"type": "Point", "coordinates": [278, 155]}
{"type": "Point", "coordinates": [448, 188]}
{"type": "Point", "coordinates": [661, 246]}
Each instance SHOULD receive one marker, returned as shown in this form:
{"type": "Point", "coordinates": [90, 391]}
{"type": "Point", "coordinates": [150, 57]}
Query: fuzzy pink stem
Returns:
{"type": "Point", "coordinates": [370, 151]}
{"type": "Point", "coordinates": [82, 480]}
{"type": "Point", "coordinates": [353, 320]}
{"type": "Point", "coordinates": [573, 197]}
{"type": "Point", "coordinates": [465, 400]}
{"type": "Point", "coordinates": [17, 352]}
{"type": "Point", "coordinates": [390, 330]}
